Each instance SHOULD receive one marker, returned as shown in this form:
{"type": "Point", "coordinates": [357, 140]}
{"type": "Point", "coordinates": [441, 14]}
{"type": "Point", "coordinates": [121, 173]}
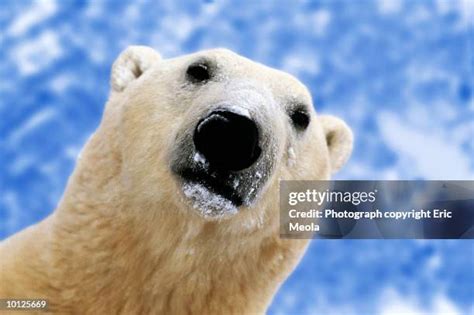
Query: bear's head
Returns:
{"type": "Point", "coordinates": [212, 133]}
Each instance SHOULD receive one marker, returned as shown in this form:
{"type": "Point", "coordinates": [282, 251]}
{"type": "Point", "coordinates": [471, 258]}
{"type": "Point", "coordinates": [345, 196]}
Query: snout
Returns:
{"type": "Point", "coordinates": [224, 156]}
{"type": "Point", "coordinates": [228, 141]}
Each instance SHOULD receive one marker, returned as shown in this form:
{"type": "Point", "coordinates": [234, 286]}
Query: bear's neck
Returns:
{"type": "Point", "coordinates": [118, 255]}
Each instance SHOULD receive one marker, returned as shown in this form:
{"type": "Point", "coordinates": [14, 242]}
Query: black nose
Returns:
{"type": "Point", "coordinates": [227, 140]}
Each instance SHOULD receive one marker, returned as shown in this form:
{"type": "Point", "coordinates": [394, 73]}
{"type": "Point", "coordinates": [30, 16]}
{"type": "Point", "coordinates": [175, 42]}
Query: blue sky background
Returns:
{"type": "Point", "coordinates": [399, 72]}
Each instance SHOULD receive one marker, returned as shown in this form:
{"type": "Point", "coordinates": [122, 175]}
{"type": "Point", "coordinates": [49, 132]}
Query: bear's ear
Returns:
{"type": "Point", "coordinates": [131, 64]}
{"type": "Point", "coordinates": [339, 140]}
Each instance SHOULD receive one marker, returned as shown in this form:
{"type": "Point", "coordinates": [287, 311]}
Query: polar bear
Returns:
{"type": "Point", "coordinates": [173, 205]}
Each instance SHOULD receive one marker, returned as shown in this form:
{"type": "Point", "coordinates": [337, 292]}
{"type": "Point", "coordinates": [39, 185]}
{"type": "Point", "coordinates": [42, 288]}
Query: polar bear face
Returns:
{"type": "Point", "coordinates": [217, 130]}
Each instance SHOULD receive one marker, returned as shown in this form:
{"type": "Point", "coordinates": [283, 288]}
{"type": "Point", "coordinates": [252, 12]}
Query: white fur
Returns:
{"type": "Point", "coordinates": [126, 239]}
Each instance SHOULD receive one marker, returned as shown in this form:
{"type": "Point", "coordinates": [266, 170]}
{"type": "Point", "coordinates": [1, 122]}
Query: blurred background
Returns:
{"type": "Point", "coordinates": [400, 73]}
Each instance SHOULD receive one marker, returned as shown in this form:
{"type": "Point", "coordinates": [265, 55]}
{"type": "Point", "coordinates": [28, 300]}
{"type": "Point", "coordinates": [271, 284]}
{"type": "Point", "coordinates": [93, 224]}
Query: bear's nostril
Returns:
{"type": "Point", "coordinates": [227, 140]}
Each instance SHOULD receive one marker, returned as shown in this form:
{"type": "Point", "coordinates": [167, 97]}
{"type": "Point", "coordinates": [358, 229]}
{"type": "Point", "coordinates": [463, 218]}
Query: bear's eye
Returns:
{"type": "Point", "coordinates": [198, 72]}
{"type": "Point", "coordinates": [300, 119]}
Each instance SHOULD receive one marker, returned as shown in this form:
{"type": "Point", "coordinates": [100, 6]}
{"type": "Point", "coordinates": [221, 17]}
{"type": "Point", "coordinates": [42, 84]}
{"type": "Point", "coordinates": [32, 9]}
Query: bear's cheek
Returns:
{"type": "Point", "coordinates": [312, 161]}
{"type": "Point", "coordinates": [145, 143]}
